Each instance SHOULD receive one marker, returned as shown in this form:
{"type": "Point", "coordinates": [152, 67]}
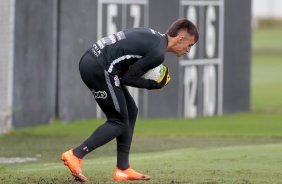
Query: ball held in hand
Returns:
{"type": "Point", "coordinates": [155, 73]}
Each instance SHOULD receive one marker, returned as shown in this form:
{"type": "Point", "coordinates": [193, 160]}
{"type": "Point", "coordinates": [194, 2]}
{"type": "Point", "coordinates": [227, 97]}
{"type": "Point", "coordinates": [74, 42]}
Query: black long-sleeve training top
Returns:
{"type": "Point", "coordinates": [130, 54]}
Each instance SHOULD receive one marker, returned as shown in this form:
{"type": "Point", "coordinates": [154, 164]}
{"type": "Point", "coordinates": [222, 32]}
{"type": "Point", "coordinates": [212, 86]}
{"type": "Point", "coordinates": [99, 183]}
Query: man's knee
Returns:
{"type": "Point", "coordinates": [121, 123]}
{"type": "Point", "coordinates": [133, 112]}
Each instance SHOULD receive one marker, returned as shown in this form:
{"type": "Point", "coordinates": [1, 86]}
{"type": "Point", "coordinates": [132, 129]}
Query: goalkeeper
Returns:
{"type": "Point", "coordinates": [110, 65]}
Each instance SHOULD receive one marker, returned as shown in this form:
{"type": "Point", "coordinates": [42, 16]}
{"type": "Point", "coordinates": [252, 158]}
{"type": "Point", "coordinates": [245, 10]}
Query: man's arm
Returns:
{"type": "Point", "coordinates": [133, 76]}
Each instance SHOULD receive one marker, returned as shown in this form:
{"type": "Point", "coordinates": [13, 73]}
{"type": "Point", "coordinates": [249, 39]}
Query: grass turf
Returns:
{"type": "Point", "coordinates": [227, 149]}
{"type": "Point", "coordinates": [231, 164]}
{"type": "Point", "coordinates": [266, 70]}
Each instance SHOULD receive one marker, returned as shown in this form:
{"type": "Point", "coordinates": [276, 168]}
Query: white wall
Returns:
{"type": "Point", "coordinates": [266, 9]}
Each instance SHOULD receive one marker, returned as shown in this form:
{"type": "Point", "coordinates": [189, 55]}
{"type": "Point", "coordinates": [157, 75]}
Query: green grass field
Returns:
{"type": "Point", "coordinates": [266, 70]}
{"type": "Point", "coordinates": [232, 149]}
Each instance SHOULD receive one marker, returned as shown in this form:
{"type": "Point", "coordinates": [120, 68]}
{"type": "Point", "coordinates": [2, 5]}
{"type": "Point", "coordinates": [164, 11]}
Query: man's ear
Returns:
{"type": "Point", "coordinates": [180, 38]}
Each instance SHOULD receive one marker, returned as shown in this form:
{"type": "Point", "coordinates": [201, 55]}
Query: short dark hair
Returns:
{"type": "Point", "coordinates": [183, 24]}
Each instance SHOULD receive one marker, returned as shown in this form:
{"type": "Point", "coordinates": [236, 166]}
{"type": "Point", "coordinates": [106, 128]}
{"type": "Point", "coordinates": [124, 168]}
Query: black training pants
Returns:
{"type": "Point", "coordinates": [117, 104]}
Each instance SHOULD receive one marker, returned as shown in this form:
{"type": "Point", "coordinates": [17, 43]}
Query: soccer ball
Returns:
{"type": "Point", "coordinates": [154, 73]}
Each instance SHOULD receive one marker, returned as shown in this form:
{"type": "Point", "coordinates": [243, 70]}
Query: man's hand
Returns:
{"type": "Point", "coordinates": [165, 79]}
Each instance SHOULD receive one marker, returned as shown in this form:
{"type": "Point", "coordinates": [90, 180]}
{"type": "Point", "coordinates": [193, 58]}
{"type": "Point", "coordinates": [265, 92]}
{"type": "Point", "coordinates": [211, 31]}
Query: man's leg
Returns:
{"type": "Point", "coordinates": [111, 100]}
{"type": "Point", "coordinates": [125, 139]}
{"type": "Point", "coordinates": [123, 170]}
{"type": "Point", "coordinates": [113, 104]}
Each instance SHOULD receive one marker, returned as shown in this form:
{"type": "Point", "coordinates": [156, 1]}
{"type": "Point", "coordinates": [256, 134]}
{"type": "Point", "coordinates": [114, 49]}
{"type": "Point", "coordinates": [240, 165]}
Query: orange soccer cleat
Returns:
{"type": "Point", "coordinates": [129, 174]}
{"type": "Point", "coordinates": [73, 164]}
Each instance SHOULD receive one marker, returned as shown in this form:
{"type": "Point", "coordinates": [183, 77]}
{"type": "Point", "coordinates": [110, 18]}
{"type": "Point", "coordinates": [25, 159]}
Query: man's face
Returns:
{"type": "Point", "coordinates": [184, 44]}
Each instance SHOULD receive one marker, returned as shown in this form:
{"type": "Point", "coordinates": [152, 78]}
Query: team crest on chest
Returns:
{"type": "Point", "coordinates": [117, 82]}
